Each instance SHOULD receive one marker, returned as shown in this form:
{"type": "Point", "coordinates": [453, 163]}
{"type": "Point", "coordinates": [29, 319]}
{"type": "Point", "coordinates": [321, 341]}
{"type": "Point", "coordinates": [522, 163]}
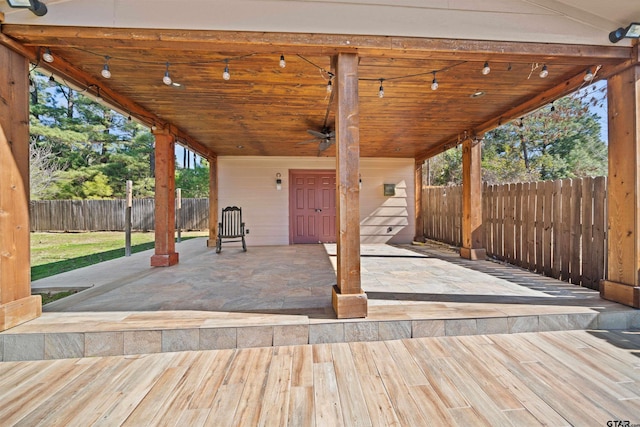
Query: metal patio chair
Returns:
{"type": "Point", "coordinates": [231, 228]}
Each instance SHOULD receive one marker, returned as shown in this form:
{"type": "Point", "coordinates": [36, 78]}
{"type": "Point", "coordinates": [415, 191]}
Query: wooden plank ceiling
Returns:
{"type": "Point", "coordinates": [265, 110]}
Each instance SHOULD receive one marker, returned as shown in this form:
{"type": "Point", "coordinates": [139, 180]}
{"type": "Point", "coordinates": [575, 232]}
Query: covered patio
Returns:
{"type": "Point", "coordinates": [385, 85]}
{"type": "Point", "coordinates": [276, 296]}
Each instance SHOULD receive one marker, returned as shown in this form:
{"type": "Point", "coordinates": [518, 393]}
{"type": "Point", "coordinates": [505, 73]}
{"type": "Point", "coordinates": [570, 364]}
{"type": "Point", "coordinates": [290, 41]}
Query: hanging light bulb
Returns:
{"type": "Point", "coordinates": [329, 86]}
{"type": "Point", "coordinates": [32, 86]}
{"type": "Point", "coordinates": [225, 74]}
{"type": "Point", "coordinates": [129, 118]}
{"type": "Point", "coordinates": [52, 81]}
{"type": "Point", "coordinates": [106, 73]}
{"type": "Point", "coordinates": [283, 63]}
{"type": "Point", "coordinates": [98, 96]}
{"type": "Point", "coordinates": [167, 78]}
{"type": "Point", "coordinates": [553, 107]}
{"type": "Point", "coordinates": [434, 83]}
{"type": "Point", "coordinates": [486, 69]}
{"type": "Point", "coordinates": [588, 75]}
{"type": "Point", "coordinates": [381, 90]}
{"type": "Point", "coordinates": [47, 56]}
{"type": "Point", "coordinates": [544, 72]}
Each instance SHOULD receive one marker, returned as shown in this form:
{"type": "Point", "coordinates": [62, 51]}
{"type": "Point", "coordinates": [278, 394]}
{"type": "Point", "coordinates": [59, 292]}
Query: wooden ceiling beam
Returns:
{"type": "Point", "coordinates": [80, 80]}
{"type": "Point", "coordinates": [247, 42]}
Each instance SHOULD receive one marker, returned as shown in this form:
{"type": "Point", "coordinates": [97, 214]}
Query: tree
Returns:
{"type": "Point", "coordinates": [94, 149]}
{"type": "Point", "coordinates": [194, 182]}
{"type": "Point", "coordinates": [557, 141]}
{"type": "Point", "coordinates": [43, 170]}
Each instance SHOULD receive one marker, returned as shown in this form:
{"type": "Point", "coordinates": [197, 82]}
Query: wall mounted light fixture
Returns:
{"type": "Point", "coordinates": [632, 31]}
{"type": "Point", "coordinates": [278, 181]}
{"type": "Point", "coordinates": [38, 8]}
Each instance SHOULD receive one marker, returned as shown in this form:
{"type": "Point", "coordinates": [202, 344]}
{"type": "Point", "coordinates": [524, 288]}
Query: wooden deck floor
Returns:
{"type": "Point", "coordinates": [553, 378]}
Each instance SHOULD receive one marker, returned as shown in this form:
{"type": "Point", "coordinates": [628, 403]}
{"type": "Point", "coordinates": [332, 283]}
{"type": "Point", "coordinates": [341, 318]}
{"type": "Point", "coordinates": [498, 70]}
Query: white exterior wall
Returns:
{"type": "Point", "coordinates": [250, 183]}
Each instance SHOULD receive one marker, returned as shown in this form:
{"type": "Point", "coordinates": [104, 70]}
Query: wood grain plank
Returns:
{"type": "Point", "coordinates": [275, 401]}
{"type": "Point", "coordinates": [198, 366]}
{"type": "Point", "coordinates": [594, 386]}
{"type": "Point", "coordinates": [576, 246]}
{"type": "Point", "coordinates": [247, 412]}
{"type": "Point", "coordinates": [54, 379]}
{"type": "Point", "coordinates": [565, 228]}
{"type": "Point", "coordinates": [425, 353]}
{"type": "Point", "coordinates": [553, 386]}
{"type": "Point", "coordinates": [378, 402]}
{"type": "Point", "coordinates": [211, 380]}
{"type": "Point", "coordinates": [406, 410]}
{"type": "Point", "coordinates": [133, 383]}
{"type": "Point", "coordinates": [485, 349]}
{"type": "Point", "coordinates": [301, 406]}
{"type": "Point", "coordinates": [600, 233]}
{"type": "Point", "coordinates": [352, 401]}
{"type": "Point", "coordinates": [328, 410]}
{"type": "Point", "coordinates": [556, 237]}
{"type": "Point", "coordinates": [518, 198]}
{"type": "Point", "coordinates": [588, 279]}
{"type": "Point", "coordinates": [156, 397]}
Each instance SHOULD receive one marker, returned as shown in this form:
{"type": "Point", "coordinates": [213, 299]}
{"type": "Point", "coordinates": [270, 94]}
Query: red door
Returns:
{"type": "Point", "coordinates": [313, 206]}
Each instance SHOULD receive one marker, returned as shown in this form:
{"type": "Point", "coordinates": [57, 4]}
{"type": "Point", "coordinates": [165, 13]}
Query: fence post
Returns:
{"type": "Point", "coordinates": [179, 212]}
{"type": "Point", "coordinates": [127, 219]}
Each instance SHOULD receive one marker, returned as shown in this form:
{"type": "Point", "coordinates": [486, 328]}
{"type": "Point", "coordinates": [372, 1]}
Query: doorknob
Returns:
{"type": "Point", "coordinates": [318, 210]}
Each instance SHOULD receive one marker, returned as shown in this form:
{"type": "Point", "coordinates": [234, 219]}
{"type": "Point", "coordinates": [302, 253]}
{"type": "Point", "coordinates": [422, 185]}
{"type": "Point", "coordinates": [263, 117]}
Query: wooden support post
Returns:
{"type": "Point", "coordinates": [213, 202]}
{"type": "Point", "coordinates": [472, 229]}
{"type": "Point", "coordinates": [17, 305]}
{"type": "Point", "coordinates": [165, 194]}
{"type": "Point", "coordinates": [348, 299]}
{"type": "Point", "coordinates": [623, 195]}
{"type": "Point", "coordinates": [419, 233]}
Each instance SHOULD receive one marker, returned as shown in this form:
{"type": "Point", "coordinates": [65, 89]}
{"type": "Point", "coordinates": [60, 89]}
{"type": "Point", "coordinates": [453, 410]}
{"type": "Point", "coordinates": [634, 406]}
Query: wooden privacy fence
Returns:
{"type": "Point", "coordinates": [555, 228]}
{"type": "Point", "coordinates": [108, 215]}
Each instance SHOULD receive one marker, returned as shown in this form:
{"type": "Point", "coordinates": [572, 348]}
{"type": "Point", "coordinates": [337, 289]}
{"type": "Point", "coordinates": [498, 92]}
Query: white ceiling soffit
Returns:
{"type": "Point", "coordinates": [552, 21]}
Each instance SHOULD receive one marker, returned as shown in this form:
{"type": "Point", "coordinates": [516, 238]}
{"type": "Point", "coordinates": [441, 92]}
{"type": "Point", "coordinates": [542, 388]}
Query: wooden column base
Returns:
{"type": "Point", "coordinates": [620, 292]}
{"type": "Point", "coordinates": [420, 239]}
{"type": "Point", "coordinates": [349, 306]}
{"type": "Point", "coordinates": [473, 254]}
{"type": "Point", "coordinates": [211, 243]}
{"type": "Point", "coordinates": [20, 311]}
{"type": "Point", "coordinates": [164, 260]}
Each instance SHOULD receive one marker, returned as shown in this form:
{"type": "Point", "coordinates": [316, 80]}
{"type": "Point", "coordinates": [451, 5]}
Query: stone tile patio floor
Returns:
{"type": "Point", "coordinates": [282, 296]}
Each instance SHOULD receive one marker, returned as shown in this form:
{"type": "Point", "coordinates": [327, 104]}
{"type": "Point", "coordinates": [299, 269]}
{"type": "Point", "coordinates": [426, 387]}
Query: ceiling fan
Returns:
{"type": "Point", "coordinates": [325, 136]}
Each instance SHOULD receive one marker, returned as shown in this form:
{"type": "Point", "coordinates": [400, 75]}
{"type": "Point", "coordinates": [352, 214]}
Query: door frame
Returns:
{"type": "Point", "coordinates": [293, 172]}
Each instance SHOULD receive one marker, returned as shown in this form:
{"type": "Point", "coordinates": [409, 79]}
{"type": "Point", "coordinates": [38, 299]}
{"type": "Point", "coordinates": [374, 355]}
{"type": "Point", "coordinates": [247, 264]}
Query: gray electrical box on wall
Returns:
{"type": "Point", "coordinates": [389, 189]}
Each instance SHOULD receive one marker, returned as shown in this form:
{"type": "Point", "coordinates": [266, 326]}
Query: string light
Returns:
{"type": "Point", "coordinates": [167, 78]}
{"type": "Point", "coordinates": [32, 86]}
{"type": "Point", "coordinates": [381, 90]}
{"type": "Point", "coordinates": [553, 107]}
{"type": "Point", "coordinates": [544, 72]}
{"type": "Point", "coordinates": [225, 74]}
{"type": "Point", "coordinates": [486, 69]}
{"type": "Point", "coordinates": [106, 73]}
{"type": "Point", "coordinates": [98, 96]}
{"type": "Point", "coordinates": [52, 81]}
{"type": "Point", "coordinates": [588, 75]}
{"type": "Point", "coordinates": [434, 83]}
{"type": "Point", "coordinates": [329, 86]}
{"type": "Point", "coordinates": [283, 63]}
{"type": "Point", "coordinates": [47, 56]}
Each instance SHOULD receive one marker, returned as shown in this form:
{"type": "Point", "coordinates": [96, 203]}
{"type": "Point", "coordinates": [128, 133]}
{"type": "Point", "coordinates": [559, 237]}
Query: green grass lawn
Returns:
{"type": "Point", "coordinates": [55, 253]}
